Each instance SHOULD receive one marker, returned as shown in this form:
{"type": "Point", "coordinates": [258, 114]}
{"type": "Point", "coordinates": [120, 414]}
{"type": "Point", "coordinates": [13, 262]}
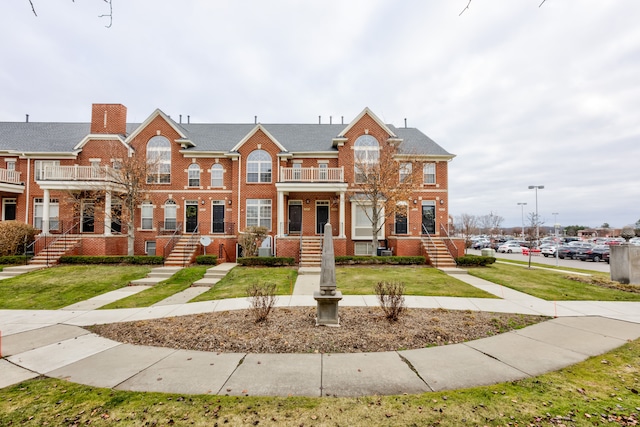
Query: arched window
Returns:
{"type": "Point", "coordinates": [159, 160]}
{"type": "Point", "coordinates": [259, 166]}
{"type": "Point", "coordinates": [366, 153]}
{"type": "Point", "coordinates": [194, 175]}
{"type": "Point", "coordinates": [170, 215]}
{"type": "Point", "coordinates": [217, 172]}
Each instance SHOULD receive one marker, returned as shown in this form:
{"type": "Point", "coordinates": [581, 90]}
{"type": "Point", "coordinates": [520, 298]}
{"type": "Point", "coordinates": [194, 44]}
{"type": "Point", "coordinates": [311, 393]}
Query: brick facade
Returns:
{"type": "Point", "coordinates": [220, 211]}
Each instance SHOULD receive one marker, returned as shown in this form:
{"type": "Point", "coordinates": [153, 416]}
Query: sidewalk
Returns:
{"type": "Point", "coordinates": [53, 343]}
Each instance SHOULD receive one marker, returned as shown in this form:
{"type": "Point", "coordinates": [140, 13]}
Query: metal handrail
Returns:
{"type": "Point", "coordinates": [222, 249]}
{"type": "Point", "coordinates": [432, 245]}
{"type": "Point", "coordinates": [46, 245]}
{"type": "Point", "coordinates": [451, 247]}
{"type": "Point", "coordinates": [172, 241]}
{"type": "Point", "coordinates": [191, 244]}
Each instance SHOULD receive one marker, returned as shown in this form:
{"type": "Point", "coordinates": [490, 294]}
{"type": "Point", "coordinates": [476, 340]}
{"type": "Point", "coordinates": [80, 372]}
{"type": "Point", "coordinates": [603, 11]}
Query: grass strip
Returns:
{"type": "Point", "coordinates": [57, 287]}
{"type": "Point", "coordinates": [549, 285]}
{"type": "Point", "coordinates": [236, 282]}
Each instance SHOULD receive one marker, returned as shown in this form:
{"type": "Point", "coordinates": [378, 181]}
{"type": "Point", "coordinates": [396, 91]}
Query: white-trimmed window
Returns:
{"type": "Point", "coordinates": [159, 160]}
{"type": "Point", "coordinates": [11, 165]}
{"type": "Point", "coordinates": [217, 173]}
{"type": "Point", "coordinates": [363, 248]}
{"type": "Point", "coordinates": [259, 213]}
{"type": "Point", "coordinates": [194, 175]}
{"type": "Point", "coordinates": [429, 172]}
{"type": "Point", "coordinates": [150, 247]}
{"type": "Point", "coordinates": [170, 215]}
{"type": "Point", "coordinates": [38, 211]}
{"type": "Point", "coordinates": [366, 153]}
{"type": "Point", "coordinates": [405, 170]}
{"type": "Point", "coordinates": [259, 166]}
{"type": "Point", "coordinates": [361, 222]}
{"type": "Point", "coordinates": [146, 216]}
{"type": "Point", "coordinates": [40, 166]}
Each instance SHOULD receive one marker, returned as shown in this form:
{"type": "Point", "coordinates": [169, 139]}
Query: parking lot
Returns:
{"type": "Point", "coordinates": [585, 265]}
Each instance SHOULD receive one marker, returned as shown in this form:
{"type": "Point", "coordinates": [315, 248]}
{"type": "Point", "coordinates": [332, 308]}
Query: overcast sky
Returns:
{"type": "Point", "coordinates": [522, 95]}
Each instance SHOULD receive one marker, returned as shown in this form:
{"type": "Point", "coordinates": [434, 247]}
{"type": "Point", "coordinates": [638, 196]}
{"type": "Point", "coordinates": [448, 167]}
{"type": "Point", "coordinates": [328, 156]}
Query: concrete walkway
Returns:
{"type": "Point", "coordinates": [53, 343]}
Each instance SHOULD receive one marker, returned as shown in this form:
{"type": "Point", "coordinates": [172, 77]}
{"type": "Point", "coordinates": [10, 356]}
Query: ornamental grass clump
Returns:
{"type": "Point", "coordinates": [391, 298]}
{"type": "Point", "coordinates": [262, 298]}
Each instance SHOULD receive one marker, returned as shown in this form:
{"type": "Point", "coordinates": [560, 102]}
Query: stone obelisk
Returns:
{"type": "Point", "coordinates": [328, 297]}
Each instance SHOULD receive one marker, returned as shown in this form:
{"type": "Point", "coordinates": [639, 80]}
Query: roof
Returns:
{"type": "Point", "coordinates": [34, 137]}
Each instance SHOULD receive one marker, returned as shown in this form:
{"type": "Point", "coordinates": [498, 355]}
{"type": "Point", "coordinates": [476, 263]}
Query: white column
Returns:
{"type": "Point", "coordinates": [107, 213]}
{"type": "Point", "coordinates": [280, 215]}
{"type": "Point", "coordinates": [45, 213]}
{"type": "Point", "coordinates": [341, 225]}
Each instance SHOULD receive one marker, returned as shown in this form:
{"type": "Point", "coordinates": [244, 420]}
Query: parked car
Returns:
{"type": "Point", "coordinates": [480, 244]}
{"type": "Point", "coordinates": [510, 248]}
{"type": "Point", "coordinates": [595, 254]}
{"type": "Point", "coordinates": [571, 250]}
{"type": "Point", "coordinates": [634, 241]}
{"type": "Point", "coordinates": [548, 250]}
{"type": "Point", "coordinates": [615, 241]}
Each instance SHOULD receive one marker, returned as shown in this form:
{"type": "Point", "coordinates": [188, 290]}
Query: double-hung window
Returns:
{"type": "Point", "coordinates": [217, 172]}
{"type": "Point", "coordinates": [429, 172]}
{"type": "Point", "coordinates": [194, 175]}
{"type": "Point", "coordinates": [405, 170]}
{"type": "Point", "coordinates": [146, 216]}
{"type": "Point", "coordinates": [259, 213]}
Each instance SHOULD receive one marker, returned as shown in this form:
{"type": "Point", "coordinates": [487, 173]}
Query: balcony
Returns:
{"type": "Point", "coordinates": [73, 173]}
{"type": "Point", "coordinates": [9, 176]}
{"type": "Point", "coordinates": [311, 174]}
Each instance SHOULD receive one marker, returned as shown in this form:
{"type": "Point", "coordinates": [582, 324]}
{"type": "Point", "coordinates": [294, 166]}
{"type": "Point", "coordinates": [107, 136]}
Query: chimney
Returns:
{"type": "Point", "coordinates": [405, 122]}
{"type": "Point", "coordinates": [330, 120]}
{"type": "Point", "coordinates": [342, 120]}
{"type": "Point", "coordinates": [109, 119]}
{"type": "Point", "coordinates": [319, 120]}
{"type": "Point", "coordinates": [188, 120]}
{"type": "Point", "coordinates": [180, 118]}
{"type": "Point", "coordinates": [27, 119]}
{"type": "Point", "coordinates": [255, 120]}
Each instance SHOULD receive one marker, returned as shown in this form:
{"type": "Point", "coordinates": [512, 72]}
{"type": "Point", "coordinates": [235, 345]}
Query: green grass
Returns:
{"type": "Point", "coordinates": [600, 391]}
{"type": "Point", "coordinates": [548, 285]}
{"type": "Point", "coordinates": [417, 280]}
{"type": "Point", "coordinates": [180, 281]}
{"type": "Point", "coordinates": [58, 287]}
{"type": "Point", "coordinates": [236, 282]}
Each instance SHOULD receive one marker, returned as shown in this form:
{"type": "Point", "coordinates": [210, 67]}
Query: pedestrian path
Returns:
{"type": "Point", "coordinates": [54, 343]}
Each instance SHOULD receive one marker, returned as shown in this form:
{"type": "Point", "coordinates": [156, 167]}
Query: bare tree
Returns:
{"type": "Point", "coordinates": [383, 185]}
{"type": "Point", "coordinates": [105, 15]}
{"type": "Point", "coordinates": [534, 223]}
{"type": "Point", "coordinates": [468, 225]}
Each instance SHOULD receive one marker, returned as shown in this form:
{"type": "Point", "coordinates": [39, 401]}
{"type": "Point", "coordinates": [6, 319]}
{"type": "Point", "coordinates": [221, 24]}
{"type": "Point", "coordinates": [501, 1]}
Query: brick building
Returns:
{"type": "Point", "coordinates": [212, 181]}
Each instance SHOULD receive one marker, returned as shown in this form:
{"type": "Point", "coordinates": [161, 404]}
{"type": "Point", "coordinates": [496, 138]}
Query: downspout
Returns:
{"type": "Point", "coordinates": [28, 181]}
{"type": "Point", "coordinates": [239, 188]}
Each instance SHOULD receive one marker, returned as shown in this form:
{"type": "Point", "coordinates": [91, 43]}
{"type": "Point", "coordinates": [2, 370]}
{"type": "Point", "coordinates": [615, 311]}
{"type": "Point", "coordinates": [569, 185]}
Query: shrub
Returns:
{"type": "Point", "coordinates": [13, 259]}
{"type": "Point", "coordinates": [251, 240]}
{"type": "Point", "coordinates": [391, 298]}
{"type": "Point", "coordinates": [14, 237]}
{"type": "Point", "coordinates": [111, 259]}
{"type": "Point", "coordinates": [207, 260]}
{"type": "Point", "coordinates": [272, 261]}
{"type": "Point", "coordinates": [391, 260]}
{"type": "Point", "coordinates": [262, 298]}
{"type": "Point", "coordinates": [475, 261]}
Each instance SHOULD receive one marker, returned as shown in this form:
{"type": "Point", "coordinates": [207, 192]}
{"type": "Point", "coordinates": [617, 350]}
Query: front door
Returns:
{"type": "Point", "coordinates": [217, 225]}
{"type": "Point", "coordinates": [191, 213]}
{"type": "Point", "coordinates": [401, 220]}
{"type": "Point", "coordinates": [295, 217]}
{"type": "Point", "coordinates": [88, 211]}
{"type": "Point", "coordinates": [9, 209]}
{"type": "Point", "coordinates": [322, 216]}
{"type": "Point", "coordinates": [428, 219]}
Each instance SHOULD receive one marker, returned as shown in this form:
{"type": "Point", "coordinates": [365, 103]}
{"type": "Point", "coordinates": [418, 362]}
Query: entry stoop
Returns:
{"type": "Point", "coordinates": [156, 276]}
{"type": "Point", "coordinates": [311, 252]}
{"type": "Point", "coordinates": [214, 274]}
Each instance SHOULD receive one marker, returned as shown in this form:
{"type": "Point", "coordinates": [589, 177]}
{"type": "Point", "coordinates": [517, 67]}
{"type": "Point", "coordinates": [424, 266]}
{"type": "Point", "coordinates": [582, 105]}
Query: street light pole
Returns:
{"type": "Point", "coordinates": [537, 187]}
{"type": "Point", "coordinates": [523, 204]}
{"type": "Point", "coordinates": [556, 227]}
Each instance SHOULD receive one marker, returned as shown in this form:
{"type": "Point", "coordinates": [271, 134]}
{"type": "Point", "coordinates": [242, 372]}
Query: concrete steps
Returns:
{"type": "Point", "coordinates": [156, 276]}
{"type": "Point", "coordinates": [214, 274]}
{"type": "Point", "coordinates": [182, 254]}
{"type": "Point", "coordinates": [311, 252]}
{"type": "Point", "coordinates": [438, 254]}
{"type": "Point", "coordinates": [52, 253]}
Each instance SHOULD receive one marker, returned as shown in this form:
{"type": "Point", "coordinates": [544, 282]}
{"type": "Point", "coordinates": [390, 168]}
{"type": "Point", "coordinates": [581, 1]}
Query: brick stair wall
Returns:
{"type": "Point", "coordinates": [311, 253]}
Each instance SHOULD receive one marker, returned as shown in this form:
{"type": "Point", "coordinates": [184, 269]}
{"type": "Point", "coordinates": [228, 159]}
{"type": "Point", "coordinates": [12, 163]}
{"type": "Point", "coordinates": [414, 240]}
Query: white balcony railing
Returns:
{"type": "Point", "coordinates": [9, 176]}
{"type": "Point", "coordinates": [311, 174]}
{"type": "Point", "coordinates": [74, 173]}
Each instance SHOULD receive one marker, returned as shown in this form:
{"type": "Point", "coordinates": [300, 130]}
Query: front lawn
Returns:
{"type": "Point", "coordinates": [548, 285]}
{"type": "Point", "coordinates": [56, 287]}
